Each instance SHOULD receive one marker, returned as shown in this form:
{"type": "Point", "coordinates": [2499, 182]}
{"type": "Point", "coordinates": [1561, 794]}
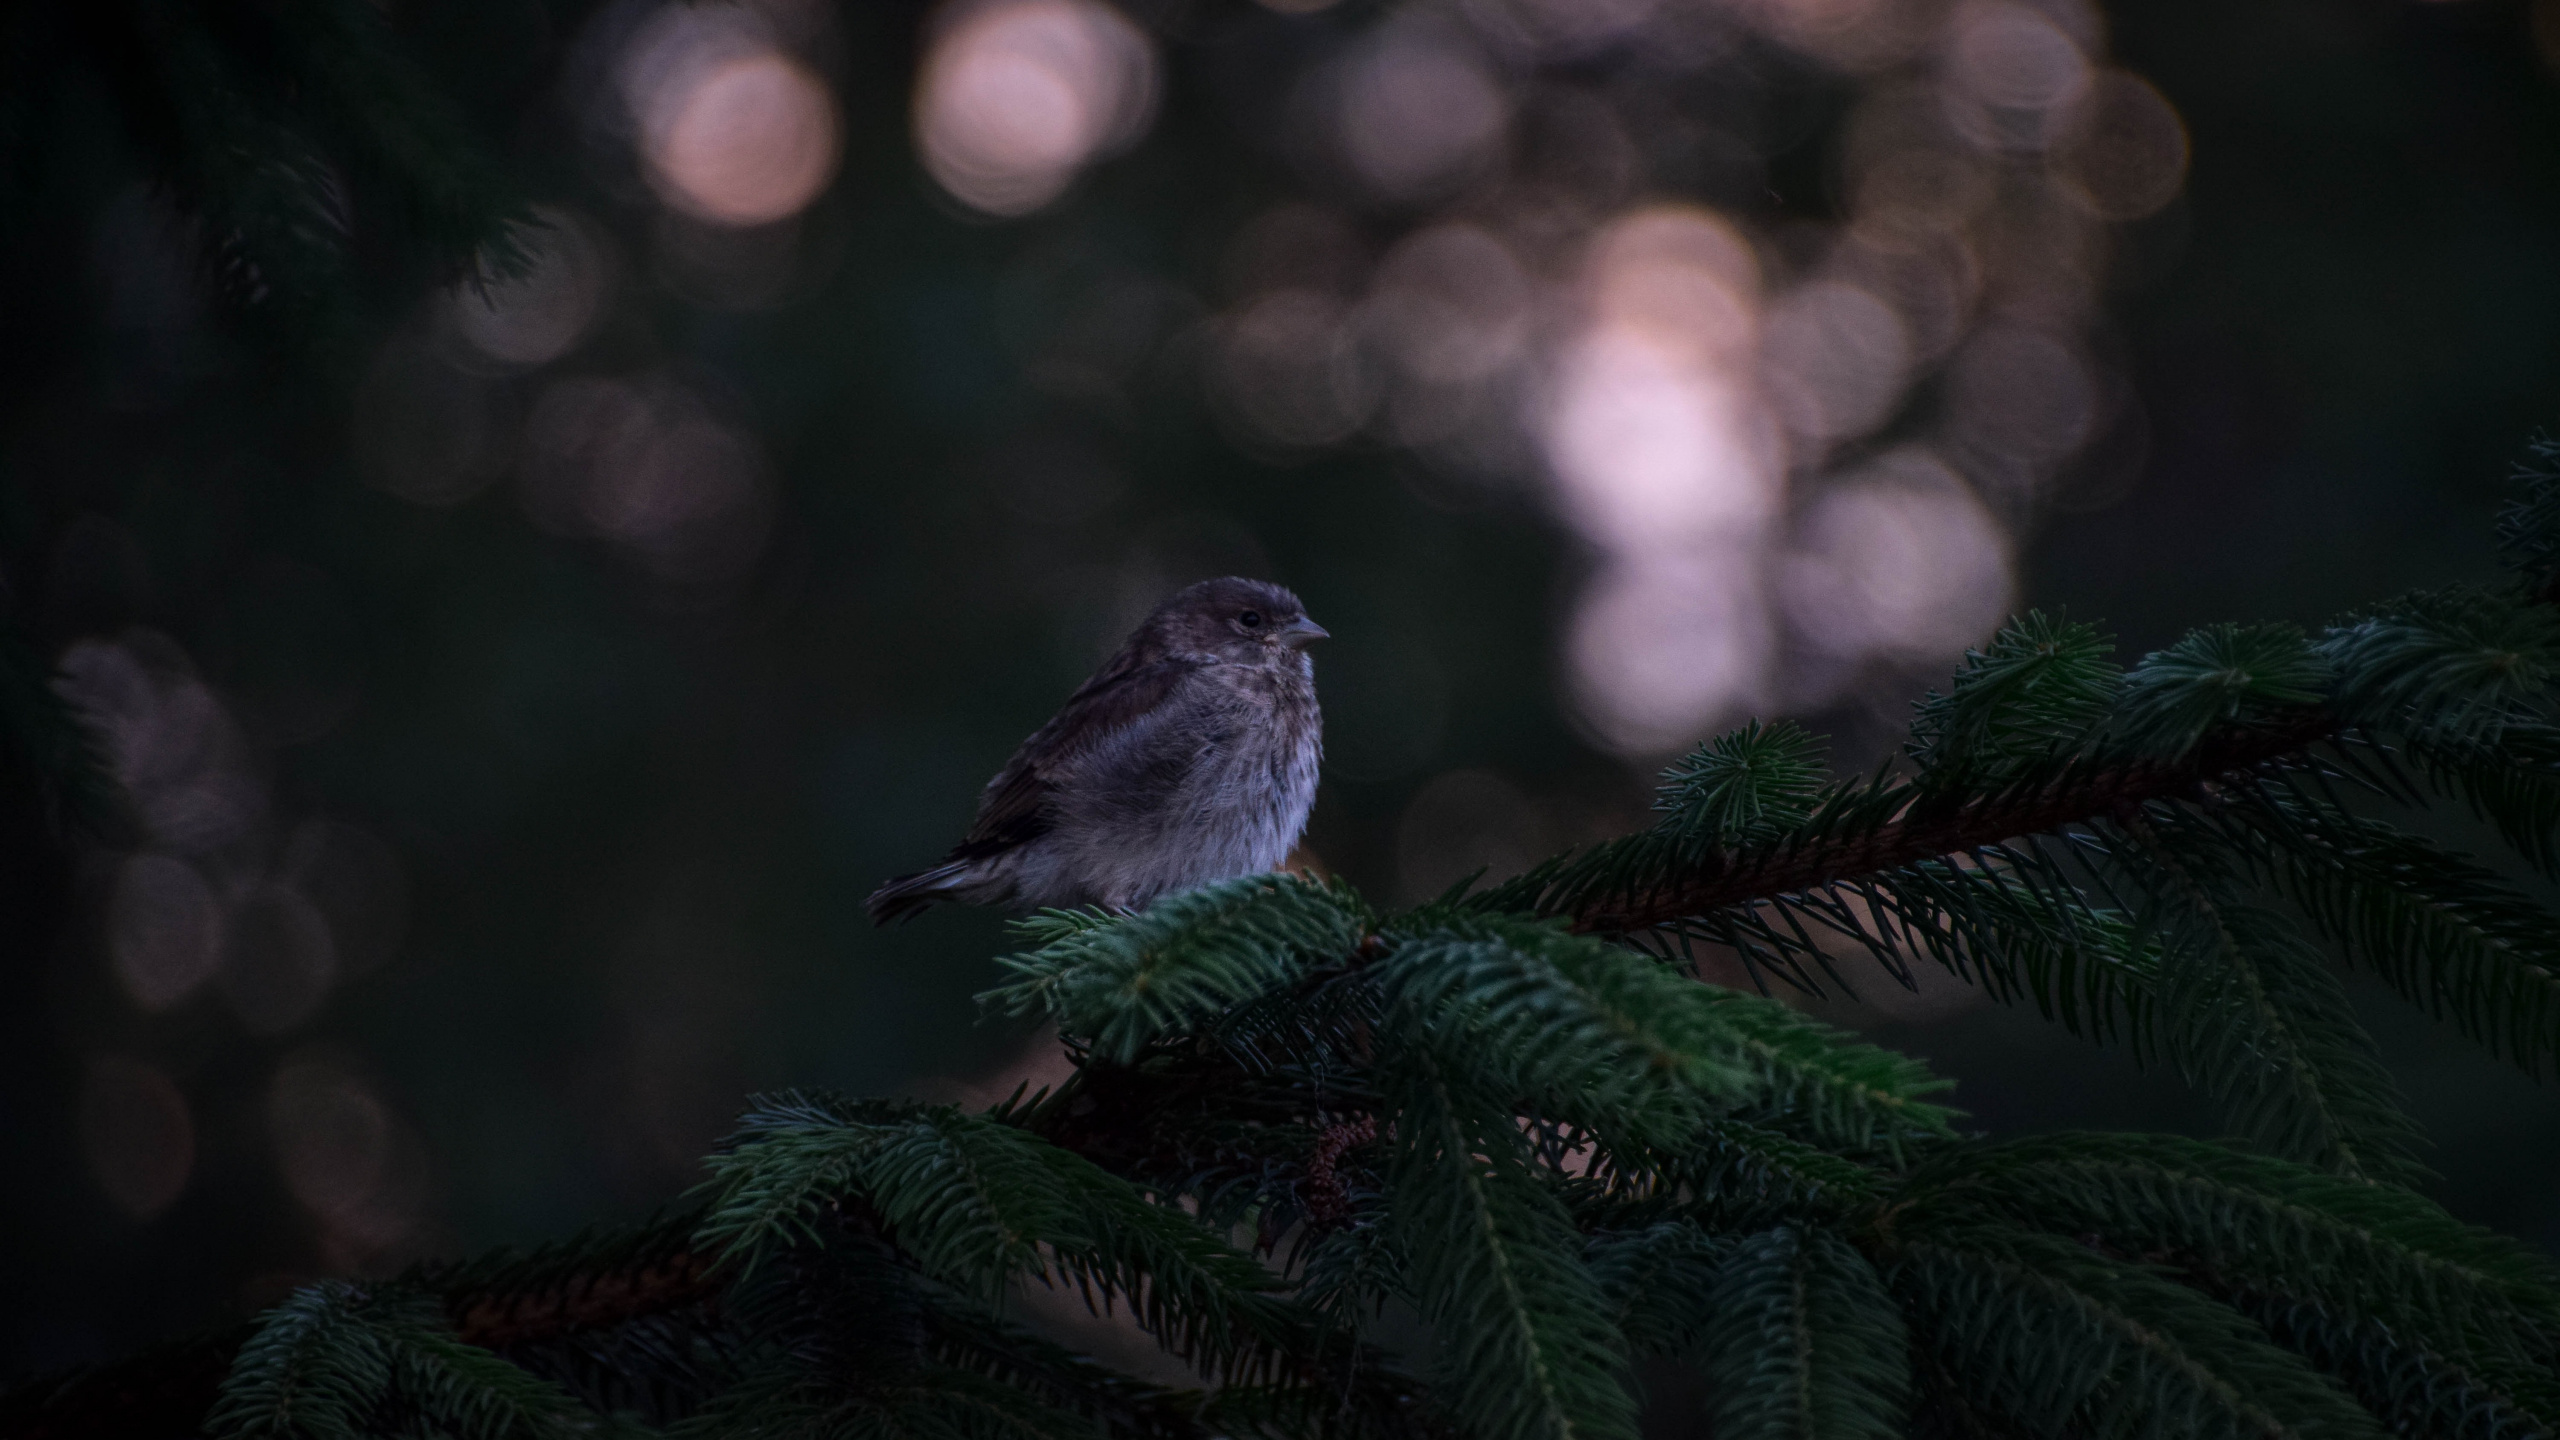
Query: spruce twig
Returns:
{"type": "Point", "coordinates": [1930, 827]}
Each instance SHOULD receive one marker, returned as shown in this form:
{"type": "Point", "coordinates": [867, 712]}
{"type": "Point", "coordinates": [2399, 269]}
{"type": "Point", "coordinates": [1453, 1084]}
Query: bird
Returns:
{"type": "Point", "coordinates": [1190, 756]}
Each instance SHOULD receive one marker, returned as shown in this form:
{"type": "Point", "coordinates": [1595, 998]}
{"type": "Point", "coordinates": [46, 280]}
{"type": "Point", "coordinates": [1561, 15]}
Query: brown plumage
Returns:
{"type": "Point", "coordinates": [1190, 756]}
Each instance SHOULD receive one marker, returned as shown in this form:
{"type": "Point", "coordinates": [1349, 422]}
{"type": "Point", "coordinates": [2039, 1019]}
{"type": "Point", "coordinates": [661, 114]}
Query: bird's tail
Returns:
{"type": "Point", "coordinates": [905, 896]}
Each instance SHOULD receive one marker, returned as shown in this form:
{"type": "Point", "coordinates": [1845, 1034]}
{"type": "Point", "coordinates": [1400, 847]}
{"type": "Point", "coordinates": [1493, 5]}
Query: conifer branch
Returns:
{"type": "Point", "coordinates": [1930, 826]}
{"type": "Point", "coordinates": [501, 1303]}
{"type": "Point", "coordinates": [1513, 1113]}
{"type": "Point", "coordinates": [585, 1300]}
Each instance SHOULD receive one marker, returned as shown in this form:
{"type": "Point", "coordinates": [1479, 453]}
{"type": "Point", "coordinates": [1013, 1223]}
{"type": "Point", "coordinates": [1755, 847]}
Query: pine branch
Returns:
{"type": "Point", "coordinates": [585, 1299]}
{"type": "Point", "coordinates": [2254, 1220]}
{"type": "Point", "coordinates": [1738, 1175]}
{"type": "Point", "coordinates": [2446, 932]}
{"type": "Point", "coordinates": [1526, 1351]}
{"type": "Point", "coordinates": [504, 1302]}
{"type": "Point", "coordinates": [1557, 1148]}
{"type": "Point", "coordinates": [2254, 1014]}
{"type": "Point", "coordinates": [1802, 1339]}
{"type": "Point", "coordinates": [2394, 1373]}
{"type": "Point", "coordinates": [2373, 1281]}
{"type": "Point", "coordinates": [1124, 981]}
{"type": "Point", "coordinates": [2011, 925]}
{"type": "Point", "coordinates": [1581, 1030]}
{"type": "Point", "coordinates": [1652, 1278]}
{"type": "Point", "coordinates": [2063, 1340]}
{"type": "Point", "coordinates": [2511, 779]}
{"type": "Point", "coordinates": [1921, 827]}
{"type": "Point", "coordinates": [280, 130]}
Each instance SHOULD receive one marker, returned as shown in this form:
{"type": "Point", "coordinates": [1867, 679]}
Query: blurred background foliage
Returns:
{"type": "Point", "coordinates": [521, 668]}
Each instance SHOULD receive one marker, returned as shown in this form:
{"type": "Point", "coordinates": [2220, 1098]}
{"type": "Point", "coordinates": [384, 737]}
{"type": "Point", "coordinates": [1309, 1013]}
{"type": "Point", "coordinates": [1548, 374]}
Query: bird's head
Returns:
{"type": "Point", "coordinates": [1248, 622]}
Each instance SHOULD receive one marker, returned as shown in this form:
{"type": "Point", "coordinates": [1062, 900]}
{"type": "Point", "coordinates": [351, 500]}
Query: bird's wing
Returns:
{"type": "Point", "coordinates": [1124, 696]}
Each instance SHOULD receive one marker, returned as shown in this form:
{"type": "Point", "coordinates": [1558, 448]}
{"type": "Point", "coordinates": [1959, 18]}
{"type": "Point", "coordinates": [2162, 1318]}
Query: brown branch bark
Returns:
{"type": "Point", "coordinates": [577, 1303]}
{"type": "Point", "coordinates": [1923, 834]}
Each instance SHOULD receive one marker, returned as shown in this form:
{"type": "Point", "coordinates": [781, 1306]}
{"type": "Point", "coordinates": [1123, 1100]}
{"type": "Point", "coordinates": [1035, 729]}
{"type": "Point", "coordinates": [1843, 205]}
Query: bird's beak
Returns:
{"type": "Point", "coordinates": [1300, 633]}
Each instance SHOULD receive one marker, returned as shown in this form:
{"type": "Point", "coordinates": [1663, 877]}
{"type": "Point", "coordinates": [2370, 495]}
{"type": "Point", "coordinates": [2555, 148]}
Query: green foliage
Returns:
{"type": "Point", "coordinates": [1751, 785]}
{"type": "Point", "coordinates": [2447, 933]}
{"type": "Point", "coordinates": [1583, 1030]}
{"type": "Point", "coordinates": [292, 137]}
{"type": "Point", "coordinates": [1494, 1265]}
{"type": "Point", "coordinates": [2444, 1302]}
{"type": "Point", "coordinates": [2392, 1373]}
{"type": "Point", "coordinates": [2529, 531]}
{"type": "Point", "coordinates": [2060, 1338]}
{"type": "Point", "coordinates": [314, 1368]}
{"type": "Point", "coordinates": [2454, 663]}
{"type": "Point", "coordinates": [980, 1205]}
{"type": "Point", "coordinates": [2007, 926]}
{"type": "Point", "coordinates": [1805, 1341]}
{"type": "Point", "coordinates": [335, 1362]}
{"type": "Point", "coordinates": [2511, 779]}
{"type": "Point", "coordinates": [1754, 1174]}
{"type": "Point", "coordinates": [1125, 982]}
{"type": "Point", "coordinates": [1650, 1279]}
{"type": "Point", "coordinates": [2257, 1224]}
{"type": "Point", "coordinates": [1519, 1118]}
{"type": "Point", "coordinates": [2216, 676]}
{"type": "Point", "coordinates": [2041, 684]}
{"type": "Point", "coordinates": [2254, 1014]}
{"type": "Point", "coordinates": [1814, 1082]}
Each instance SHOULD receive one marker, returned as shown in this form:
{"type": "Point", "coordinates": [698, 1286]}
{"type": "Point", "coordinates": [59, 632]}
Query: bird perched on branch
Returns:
{"type": "Point", "coordinates": [1190, 756]}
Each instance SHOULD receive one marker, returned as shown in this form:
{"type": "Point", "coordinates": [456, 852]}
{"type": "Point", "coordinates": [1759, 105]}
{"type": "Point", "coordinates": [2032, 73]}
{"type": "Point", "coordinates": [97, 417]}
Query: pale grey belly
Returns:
{"type": "Point", "coordinates": [1235, 812]}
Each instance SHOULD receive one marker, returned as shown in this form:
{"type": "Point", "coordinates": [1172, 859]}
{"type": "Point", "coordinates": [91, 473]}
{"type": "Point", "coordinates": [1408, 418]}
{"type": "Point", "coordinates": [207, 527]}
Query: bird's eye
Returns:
{"type": "Point", "coordinates": [1251, 619]}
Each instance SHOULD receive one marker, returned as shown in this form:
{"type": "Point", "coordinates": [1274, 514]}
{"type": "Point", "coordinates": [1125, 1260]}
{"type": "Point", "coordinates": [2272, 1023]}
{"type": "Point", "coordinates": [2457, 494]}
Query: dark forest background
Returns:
{"type": "Point", "coordinates": [520, 686]}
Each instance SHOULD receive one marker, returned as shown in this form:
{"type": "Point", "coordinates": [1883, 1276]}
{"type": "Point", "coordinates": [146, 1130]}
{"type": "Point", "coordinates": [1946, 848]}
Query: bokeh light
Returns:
{"type": "Point", "coordinates": [2013, 73]}
{"type": "Point", "coordinates": [164, 930]}
{"type": "Point", "coordinates": [178, 750]}
{"type": "Point", "coordinates": [1650, 446]}
{"type": "Point", "coordinates": [278, 960]}
{"type": "Point", "coordinates": [1857, 36]}
{"type": "Point", "coordinates": [1451, 305]}
{"type": "Point", "coordinates": [1470, 279]}
{"type": "Point", "coordinates": [1896, 561]}
{"type": "Point", "coordinates": [642, 462]}
{"type": "Point", "coordinates": [1654, 433]}
{"type": "Point", "coordinates": [1664, 645]}
{"type": "Point", "coordinates": [1666, 457]}
{"type": "Point", "coordinates": [1418, 113]}
{"type": "Point", "coordinates": [1017, 96]}
{"type": "Point", "coordinates": [1561, 29]}
{"type": "Point", "coordinates": [345, 1156]}
{"type": "Point", "coordinates": [2022, 393]}
{"type": "Point", "coordinates": [214, 898]}
{"type": "Point", "coordinates": [2126, 154]}
{"type": "Point", "coordinates": [1834, 359]}
{"type": "Point", "coordinates": [1295, 246]}
{"type": "Point", "coordinates": [137, 1133]}
{"type": "Point", "coordinates": [1289, 372]}
{"type": "Point", "coordinates": [537, 316]}
{"type": "Point", "coordinates": [1786, 319]}
{"type": "Point", "coordinates": [732, 128]}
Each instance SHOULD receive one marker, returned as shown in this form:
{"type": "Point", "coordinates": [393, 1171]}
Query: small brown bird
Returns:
{"type": "Point", "coordinates": [1189, 757]}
